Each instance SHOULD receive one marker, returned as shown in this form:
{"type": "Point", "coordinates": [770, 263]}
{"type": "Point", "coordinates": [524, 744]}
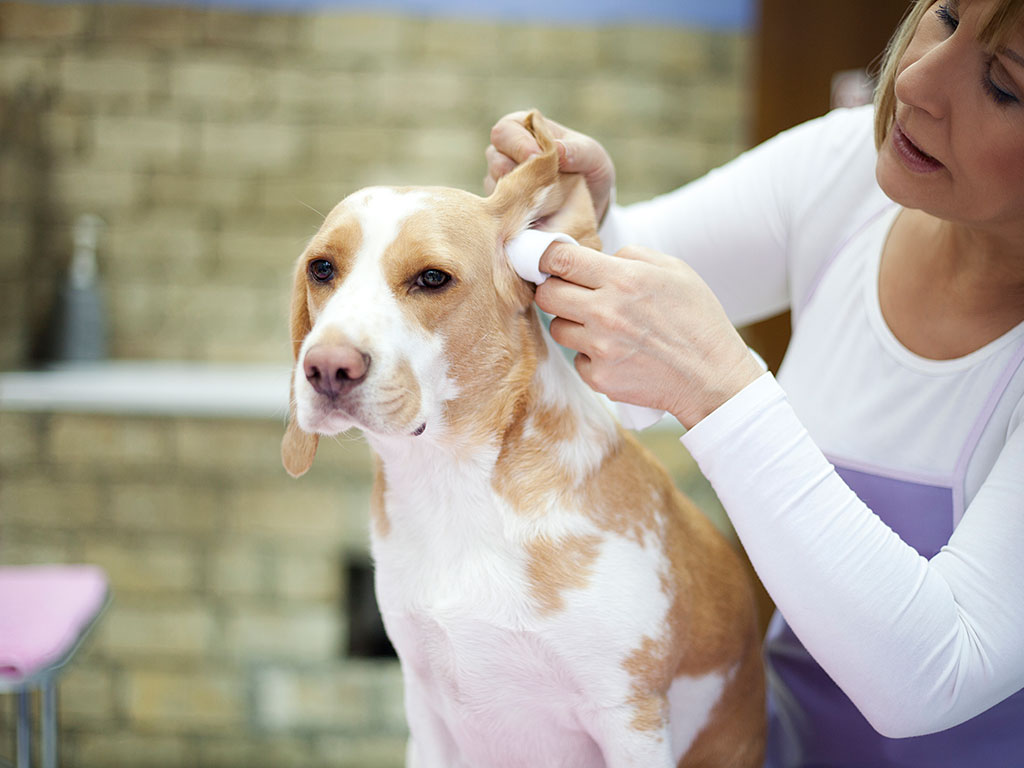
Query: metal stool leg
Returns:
{"type": "Point", "coordinates": [24, 729]}
{"type": "Point", "coordinates": [50, 723]}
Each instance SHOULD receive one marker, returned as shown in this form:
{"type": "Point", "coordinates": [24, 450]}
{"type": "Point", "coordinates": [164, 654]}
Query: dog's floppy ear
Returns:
{"type": "Point", "coordinates": [537, 194]}
{"type": "Point", "coordinates": [297, 447]}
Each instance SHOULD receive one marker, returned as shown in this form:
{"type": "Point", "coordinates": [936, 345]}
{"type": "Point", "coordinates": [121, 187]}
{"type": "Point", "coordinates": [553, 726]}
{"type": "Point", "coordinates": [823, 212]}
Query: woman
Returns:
{"type": "Point", "coordinates": [878, 487]}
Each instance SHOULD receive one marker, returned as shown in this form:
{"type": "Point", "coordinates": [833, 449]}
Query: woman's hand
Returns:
{"type": "Point", "coordinates": [511, 144]}
{"type": "Point", "coordinates": [648, 330]}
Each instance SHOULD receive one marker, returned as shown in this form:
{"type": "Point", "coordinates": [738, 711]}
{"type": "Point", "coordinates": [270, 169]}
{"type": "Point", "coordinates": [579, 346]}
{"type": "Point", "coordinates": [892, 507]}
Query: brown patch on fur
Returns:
{"type": "Point", "coordinates": [610, 494]}
{"type": "Point", "coordinates": [526, 473]}
{"type": "Point", "coordinates": [378, 507]}
{"type": "Point", "coordinates": [555, 423]}
{"type": "Point", "coordinates": [558, 565]}
{"type": "Point", "coordinates": [711, 622]}
{"type": "Point", "coordinates": [650, 706]}
{"type": "Point", "coordinates": [611, 497]}
{"type": "Point", "coordinates": [451, 235]}
{"type": "Point", "coordinates": [484, 313]}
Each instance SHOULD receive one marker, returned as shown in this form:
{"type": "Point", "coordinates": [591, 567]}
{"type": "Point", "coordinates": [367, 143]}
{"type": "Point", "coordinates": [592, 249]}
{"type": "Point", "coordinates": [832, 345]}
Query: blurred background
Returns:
{"type": "Point", "coordinates": [161, 167]}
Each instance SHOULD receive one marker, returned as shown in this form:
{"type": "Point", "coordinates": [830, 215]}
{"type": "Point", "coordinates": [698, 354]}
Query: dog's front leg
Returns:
{"type": "Point", "coordinates": [626, 744]}
{"type": "Point", "coordinates": [430, 744]}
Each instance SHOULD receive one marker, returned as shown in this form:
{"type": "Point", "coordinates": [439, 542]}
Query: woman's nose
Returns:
{"type": "Point", "coordinates": [926, 82]}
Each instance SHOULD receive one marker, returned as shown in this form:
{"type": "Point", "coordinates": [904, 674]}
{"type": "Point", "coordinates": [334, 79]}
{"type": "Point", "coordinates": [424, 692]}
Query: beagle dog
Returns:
{"type": "Point", "coordinates": [553, 599]}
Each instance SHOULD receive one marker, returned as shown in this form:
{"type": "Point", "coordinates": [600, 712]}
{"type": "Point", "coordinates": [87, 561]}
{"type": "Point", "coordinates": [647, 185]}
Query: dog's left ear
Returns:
{"type": "Point", "coordinates": [298, 448]}
{"type": "Point", "coordinates": [537, 194]}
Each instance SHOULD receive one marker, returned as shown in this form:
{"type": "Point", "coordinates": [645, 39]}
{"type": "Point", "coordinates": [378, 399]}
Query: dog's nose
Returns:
{"type": "Point", "coordinates": [332, 369]}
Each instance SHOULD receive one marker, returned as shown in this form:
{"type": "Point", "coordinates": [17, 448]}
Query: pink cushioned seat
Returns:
{"type": "Point", "coordinates": [45, 612]}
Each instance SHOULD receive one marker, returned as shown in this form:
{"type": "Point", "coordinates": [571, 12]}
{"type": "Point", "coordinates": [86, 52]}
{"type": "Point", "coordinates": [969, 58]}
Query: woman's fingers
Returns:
{"type": "Point", "coordinates": [566, 300]}
{"type": "Point", "coordinates": [647, 256]}
{"type": "Point", "coordinates": [498, 164]}
{"type": "Point", "coordinates": [512, 144]}
{"type": "Point", "coordinates": [576, 264]}
{"type": "Point", "coordinates": [568, 333]}
{"type": "Point", "coordinates": [510, 137]}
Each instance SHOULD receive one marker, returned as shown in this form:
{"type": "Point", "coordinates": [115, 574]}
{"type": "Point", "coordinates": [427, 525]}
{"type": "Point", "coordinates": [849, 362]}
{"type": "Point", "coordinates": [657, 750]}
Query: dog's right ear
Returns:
{"type": "Point", "coordinates": [298, 448]}
{"type": "Point", "coordinates": [536, 193]}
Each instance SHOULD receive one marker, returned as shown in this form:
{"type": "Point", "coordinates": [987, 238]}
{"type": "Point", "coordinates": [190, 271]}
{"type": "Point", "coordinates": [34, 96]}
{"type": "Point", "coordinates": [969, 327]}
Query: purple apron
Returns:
{"type": "Point", "coordinates": [812, 724]}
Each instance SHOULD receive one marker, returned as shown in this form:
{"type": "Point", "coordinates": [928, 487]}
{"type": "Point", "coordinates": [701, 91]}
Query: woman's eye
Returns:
{"type": "Point", "coordinates": [946, 17]}
{"type": "Point", "coordinates": [995, 92]}
{"type": "Point", "coordinates": [321, 270]}
{"type": "Point", "coordinates": [432, 279]}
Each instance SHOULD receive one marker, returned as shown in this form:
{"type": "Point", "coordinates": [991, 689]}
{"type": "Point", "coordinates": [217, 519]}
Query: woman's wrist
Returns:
{"type": "Point", "coordinates": [720, 387]}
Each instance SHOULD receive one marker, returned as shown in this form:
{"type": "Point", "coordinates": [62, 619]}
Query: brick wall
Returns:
{"type": "Point", "coordinates": [225, 642]}
{"type": "Point", "coordinates": [208, 140]}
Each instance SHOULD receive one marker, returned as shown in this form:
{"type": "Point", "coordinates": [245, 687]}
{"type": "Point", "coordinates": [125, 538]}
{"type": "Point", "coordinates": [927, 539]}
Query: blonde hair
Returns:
{"type": "Point", "coordinates": [1003, 21]}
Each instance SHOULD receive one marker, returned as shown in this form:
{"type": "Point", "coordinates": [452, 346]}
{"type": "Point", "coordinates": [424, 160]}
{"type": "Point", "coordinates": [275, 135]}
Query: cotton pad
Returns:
{"type": "Point", "coordinates": [524, 252]}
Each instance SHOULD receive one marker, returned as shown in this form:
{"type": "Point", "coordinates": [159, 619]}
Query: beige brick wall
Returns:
{"type": "Point", "coordinates": [229, 584]}
{"type": "Point", "coordinates": [208, 140]}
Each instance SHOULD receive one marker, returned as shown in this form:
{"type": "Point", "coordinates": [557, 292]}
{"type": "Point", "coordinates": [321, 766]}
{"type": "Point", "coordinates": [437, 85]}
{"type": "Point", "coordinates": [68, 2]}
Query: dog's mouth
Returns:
{"type": "Point", "coordinates": [342, 387]}
{"type": "Point", "coordinates": [388, 418]}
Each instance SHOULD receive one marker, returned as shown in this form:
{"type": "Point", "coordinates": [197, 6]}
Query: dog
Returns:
{"type": "Point", "coordinates": [553, 599]}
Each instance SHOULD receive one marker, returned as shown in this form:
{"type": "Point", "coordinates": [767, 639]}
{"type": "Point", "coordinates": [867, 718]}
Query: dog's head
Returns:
{"type": "Point", "coordinates": [406, 316]}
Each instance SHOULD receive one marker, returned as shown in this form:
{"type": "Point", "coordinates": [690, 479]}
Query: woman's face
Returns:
{"type": "Point", "coordinates": [956, 147]}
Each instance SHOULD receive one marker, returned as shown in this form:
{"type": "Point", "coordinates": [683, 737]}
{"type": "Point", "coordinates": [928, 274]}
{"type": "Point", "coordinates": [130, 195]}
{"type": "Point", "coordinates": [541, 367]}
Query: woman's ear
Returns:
{"type": "Point", "coordinates": [298, 448]}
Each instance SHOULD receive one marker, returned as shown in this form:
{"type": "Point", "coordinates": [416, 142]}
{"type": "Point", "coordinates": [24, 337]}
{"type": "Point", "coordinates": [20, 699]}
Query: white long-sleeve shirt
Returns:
{"type": "Point", "coordinates": [919, 639]}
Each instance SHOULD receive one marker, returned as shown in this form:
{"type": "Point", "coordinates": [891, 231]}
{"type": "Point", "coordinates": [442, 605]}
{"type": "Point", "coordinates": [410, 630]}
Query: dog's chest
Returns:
{"type": "Point", "coordinates": [471, 664]}
{"type": "Point", "coordinates": [505, 696]}
{"type": "Point", "coordinates": [514, 626]}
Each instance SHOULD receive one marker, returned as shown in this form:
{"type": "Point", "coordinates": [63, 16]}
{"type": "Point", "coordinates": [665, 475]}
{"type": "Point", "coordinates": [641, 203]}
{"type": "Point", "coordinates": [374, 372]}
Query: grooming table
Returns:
{"type": "Point", "coordinates": [45, 613]}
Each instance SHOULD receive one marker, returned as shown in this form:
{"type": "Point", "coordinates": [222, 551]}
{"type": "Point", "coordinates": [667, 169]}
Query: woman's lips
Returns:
{"type": "Point", "coordinates": [912, 157]}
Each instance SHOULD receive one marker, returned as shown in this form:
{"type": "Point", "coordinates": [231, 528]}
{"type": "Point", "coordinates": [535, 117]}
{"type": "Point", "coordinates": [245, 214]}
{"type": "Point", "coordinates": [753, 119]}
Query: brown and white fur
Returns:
{"type": "Point", "coordinates": [553, 599]}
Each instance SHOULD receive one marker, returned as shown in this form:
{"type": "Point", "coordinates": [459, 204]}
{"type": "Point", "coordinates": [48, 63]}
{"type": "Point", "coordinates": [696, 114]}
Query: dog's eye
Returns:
{"type": "Point", "coordinates": [321, 270]}
{"type": "Point", "coordinates": [432, 278]}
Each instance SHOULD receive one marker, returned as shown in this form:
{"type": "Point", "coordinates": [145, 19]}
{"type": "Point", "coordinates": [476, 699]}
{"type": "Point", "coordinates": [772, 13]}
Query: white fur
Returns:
{"type": "Point", "coordinates": [691, 700]}
{"type": "Point", "coordinates": [491, 680]}
{"type": "Point", "coordinates": [503, 685]}
{"type": "Point", "coordinates": [365, 309]}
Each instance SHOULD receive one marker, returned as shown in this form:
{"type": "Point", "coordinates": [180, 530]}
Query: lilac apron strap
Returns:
{"type": "Point", "coordinates": [974, 436]}
{"type": "Point", "coordinates": [798, 306]}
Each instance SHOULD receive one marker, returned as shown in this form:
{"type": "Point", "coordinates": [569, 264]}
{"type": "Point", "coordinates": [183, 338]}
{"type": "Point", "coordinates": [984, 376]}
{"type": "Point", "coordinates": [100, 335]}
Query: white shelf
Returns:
{"type": "Point", "coordinates": [151, 388]}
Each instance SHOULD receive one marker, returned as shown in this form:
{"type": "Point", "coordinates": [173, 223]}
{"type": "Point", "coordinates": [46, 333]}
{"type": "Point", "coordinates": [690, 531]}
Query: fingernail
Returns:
{"type": "Point", "coordinates": [563, 151]}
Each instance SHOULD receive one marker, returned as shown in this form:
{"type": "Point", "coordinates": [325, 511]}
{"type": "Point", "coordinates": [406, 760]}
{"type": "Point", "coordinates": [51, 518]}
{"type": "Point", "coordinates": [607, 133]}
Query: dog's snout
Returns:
{"type": "Point", "coordinates": [332, 369]}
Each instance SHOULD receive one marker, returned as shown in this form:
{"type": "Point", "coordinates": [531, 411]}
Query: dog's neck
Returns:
{"type": "Point", "coordinates": [542, 428]}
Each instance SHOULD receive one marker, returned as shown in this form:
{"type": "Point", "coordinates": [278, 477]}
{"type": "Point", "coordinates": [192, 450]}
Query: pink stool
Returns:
{"type": "Point", "coordinates": [45, 613]}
